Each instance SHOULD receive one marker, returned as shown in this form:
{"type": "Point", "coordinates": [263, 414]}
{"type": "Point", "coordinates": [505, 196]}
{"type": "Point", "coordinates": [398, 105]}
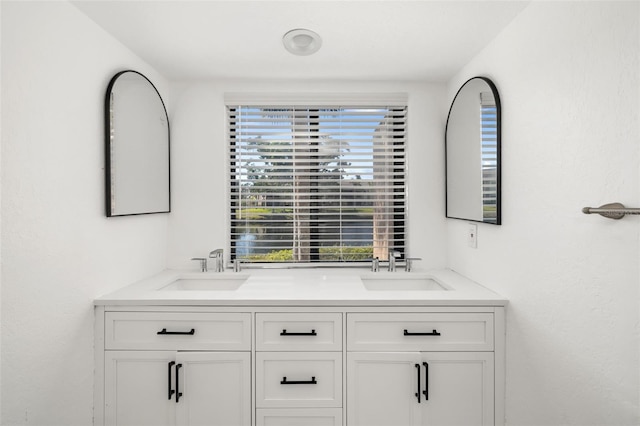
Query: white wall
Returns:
{"type": "Point", "coordinates": [198, 220]}
{"type": "Point", "coordinates": [567, 73]}
{"type": "Point", "coordinates": [59, 251]}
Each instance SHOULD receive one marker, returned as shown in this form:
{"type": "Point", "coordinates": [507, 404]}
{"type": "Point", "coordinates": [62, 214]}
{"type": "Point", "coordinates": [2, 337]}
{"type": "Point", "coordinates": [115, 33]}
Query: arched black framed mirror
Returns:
{"type": "Point", "coordinates": [137, 147]}
{"type": "Point", "coordinates": [472, 145]}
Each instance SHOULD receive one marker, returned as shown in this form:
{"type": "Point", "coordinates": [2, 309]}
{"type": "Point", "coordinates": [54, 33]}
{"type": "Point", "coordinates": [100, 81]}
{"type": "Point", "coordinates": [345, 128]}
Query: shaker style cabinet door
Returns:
{"type": "Point", "coordinates": [137, 388]}
{"type": "Point", "coordinates": [420, 389]}
{"type": "Point", "coordinates": [167, 388]}
{"type": "Point", "coordinates": [460, 388]}
{"type": "Point", "coordinates": [215, 387]}
{"type": "Point", "coordinates": [381, 389]}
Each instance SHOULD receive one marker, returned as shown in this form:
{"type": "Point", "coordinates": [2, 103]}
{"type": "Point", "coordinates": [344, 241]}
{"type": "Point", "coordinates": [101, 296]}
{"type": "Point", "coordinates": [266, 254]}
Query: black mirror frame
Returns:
{"type": "Point", "coordinates": [496, 95]}
{"type": "Point", "coordinates": [107, 136]}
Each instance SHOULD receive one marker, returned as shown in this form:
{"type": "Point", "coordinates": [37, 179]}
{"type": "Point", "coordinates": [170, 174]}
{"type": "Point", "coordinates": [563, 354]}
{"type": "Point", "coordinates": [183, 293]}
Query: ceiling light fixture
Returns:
{"type": "Point", "coordinates": [302, 42]}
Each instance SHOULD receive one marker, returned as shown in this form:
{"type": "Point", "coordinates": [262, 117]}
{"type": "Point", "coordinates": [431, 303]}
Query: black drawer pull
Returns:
{"type": "Point", "coordinates": [178, 393]}
{"type": "Point", "coordinates": [299, 382]}
{"type": "Point", "coordinates": [188, 333]}
{"type": "Point", "coordinates": [426, 381]}
{"type": "Point", "coordinates": [286, 333]}
{"type": "Point", "coordinates": [433, 333]}
{"type": "Point", "coordinates": [417, 394]}
{"type": "Point", "coordinates": [171, 391]}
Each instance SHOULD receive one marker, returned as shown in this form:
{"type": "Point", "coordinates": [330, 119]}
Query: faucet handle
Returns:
{"type": "Point", "coordinates": [237, 265]}
{"type": "Point", "coordinates": [375, 264]}
{"type": "Point", "coordinates": [408, 263]}
{"type": "Point", "coordinates": [203, 263]}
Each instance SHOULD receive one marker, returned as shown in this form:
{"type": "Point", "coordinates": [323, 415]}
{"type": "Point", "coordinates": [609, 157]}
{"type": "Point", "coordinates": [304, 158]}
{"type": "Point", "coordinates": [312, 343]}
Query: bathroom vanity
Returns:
{"type": "Point", "coordinates": [300, 347]}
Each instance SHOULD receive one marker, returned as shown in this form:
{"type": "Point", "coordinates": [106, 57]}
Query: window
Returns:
{"type": "Point", "coordinates": [316, 183]}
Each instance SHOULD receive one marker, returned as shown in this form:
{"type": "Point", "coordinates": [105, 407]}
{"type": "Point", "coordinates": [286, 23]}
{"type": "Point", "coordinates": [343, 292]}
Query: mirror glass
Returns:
{"type": "Point", "coordinates": [137, 147]}
{"type": "Point", "coordinates": [472, 140]}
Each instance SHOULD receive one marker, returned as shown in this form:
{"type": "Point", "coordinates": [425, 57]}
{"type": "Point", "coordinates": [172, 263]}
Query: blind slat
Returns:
{"type": "Point", "coordinates": [316, 183]}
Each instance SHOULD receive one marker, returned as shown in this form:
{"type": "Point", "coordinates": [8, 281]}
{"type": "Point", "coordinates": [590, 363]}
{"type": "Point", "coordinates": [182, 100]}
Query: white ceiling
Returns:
{"type": "Point", "coordinates": [374, 40]}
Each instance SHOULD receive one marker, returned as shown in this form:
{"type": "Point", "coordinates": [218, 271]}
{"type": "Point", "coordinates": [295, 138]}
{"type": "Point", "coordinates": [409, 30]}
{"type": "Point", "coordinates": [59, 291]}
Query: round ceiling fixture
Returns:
{"type": "Point", "coordinates": [302, 42]}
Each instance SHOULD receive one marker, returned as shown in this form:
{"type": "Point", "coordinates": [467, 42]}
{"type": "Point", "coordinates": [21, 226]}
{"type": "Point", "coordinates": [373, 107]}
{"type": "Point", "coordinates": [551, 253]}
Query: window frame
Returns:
{"type": "Point", "coordinates": [399, 202]}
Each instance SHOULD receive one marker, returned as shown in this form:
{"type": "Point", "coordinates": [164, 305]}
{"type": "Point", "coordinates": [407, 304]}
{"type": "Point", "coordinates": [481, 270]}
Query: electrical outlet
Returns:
{"type": "Point", "coordinates": [472, 235]}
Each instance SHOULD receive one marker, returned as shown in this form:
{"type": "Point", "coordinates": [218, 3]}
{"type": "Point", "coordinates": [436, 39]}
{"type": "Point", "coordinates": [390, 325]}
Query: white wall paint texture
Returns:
{"type": "Point", "coordinates": [198, 222]}
{"type": "Point", "coordinates": [568, 76]}
{"type": "Point", "coordinates": [59, 251]}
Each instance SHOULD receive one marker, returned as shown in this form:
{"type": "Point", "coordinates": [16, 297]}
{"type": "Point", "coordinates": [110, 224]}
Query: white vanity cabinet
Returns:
{"type": "Point", "coordinates": [263, 358]}
{"type": "Point", "coordinates": [420, 369]}
{"type": "Point", "coordinates": [177, 368]}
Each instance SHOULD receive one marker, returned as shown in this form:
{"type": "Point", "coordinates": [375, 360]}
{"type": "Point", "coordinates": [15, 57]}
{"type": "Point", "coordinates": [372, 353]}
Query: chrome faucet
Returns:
{"type": "Point", "coordinates": [203, 263]}
{"type": "Point", "coordinates": [392, 259]}
{"type": "Point", "coordinates": [218, 255]}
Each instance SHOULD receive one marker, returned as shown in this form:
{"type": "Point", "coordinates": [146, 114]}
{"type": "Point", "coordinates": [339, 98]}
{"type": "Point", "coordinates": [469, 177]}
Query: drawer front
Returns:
{"type": "Point", "coordinates": [299, 417]}
{"type": "Point", "coordinates": [178, 331]}
{"type": "Point", "coordinates": [420, 332]}
{"type": "Point", "coordinates": [298, 379]}
{"type": "Point", "coordinates": [299, 332]}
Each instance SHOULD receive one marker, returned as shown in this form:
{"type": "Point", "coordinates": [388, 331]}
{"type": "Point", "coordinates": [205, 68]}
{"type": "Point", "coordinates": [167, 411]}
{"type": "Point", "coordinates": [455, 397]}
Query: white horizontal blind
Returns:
{"type": "Point", "coordinates": [316, 183]}
{"type": "Point", "coordinates": [489, 150]}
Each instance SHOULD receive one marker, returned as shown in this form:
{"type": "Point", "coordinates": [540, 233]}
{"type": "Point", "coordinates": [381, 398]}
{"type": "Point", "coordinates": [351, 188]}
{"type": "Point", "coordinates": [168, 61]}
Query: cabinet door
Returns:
{"type": "Point", "coordinates": [215, 387]}
{"type": "Point", "coordinates": [382, 388]}
{"type": "Point", "coordinates": [137, 388]}
{"type": "Point", "coordinates": [459, 389]}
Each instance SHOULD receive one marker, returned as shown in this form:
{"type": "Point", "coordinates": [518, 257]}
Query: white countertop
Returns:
{"type": "Point", "coordinates": [308, 287]}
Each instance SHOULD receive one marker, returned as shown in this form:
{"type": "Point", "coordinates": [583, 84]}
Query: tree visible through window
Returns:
{"type": "Point", "coordinates": [316, 183]}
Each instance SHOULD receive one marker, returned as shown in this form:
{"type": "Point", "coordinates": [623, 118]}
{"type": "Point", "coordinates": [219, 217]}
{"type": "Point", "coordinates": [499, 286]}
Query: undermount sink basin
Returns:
{"type": "Point", "coordinates": [402, 284]}
{"type": "Point", "coordinates": [205, 284]}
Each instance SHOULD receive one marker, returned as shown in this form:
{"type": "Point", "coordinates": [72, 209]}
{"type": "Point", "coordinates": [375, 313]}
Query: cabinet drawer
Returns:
{"type": "Point", "coordinates": [420, 332]}
{"type": "Point", "coordinates": [299, 417]}
{"type": "Point", "coordinates": [178, 331]}
{"type": "Point", "coordinates": [299, 332]}
{"type": "Point", "coordinates": [298, 379]}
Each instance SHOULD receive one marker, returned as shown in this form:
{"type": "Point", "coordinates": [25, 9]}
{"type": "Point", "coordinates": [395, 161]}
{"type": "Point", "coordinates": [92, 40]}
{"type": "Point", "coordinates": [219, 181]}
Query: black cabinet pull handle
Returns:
{"type": "Point", "coordinates": [433, 333]}
{"type": "Point", "coordinates": [417, 394]}
{"type": "Point", "coordinates": [286, 333]}
{"type": "Point", "coordinates": [426, 381]}
{"type": "Point", "coordinates": [178, 393]}
{"type": "Point", "coordinates": [170, 391]}
{"type": "Point", "coordinates": [188, 333]}
{"type": "Point", "coordinates": [299, 382]}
